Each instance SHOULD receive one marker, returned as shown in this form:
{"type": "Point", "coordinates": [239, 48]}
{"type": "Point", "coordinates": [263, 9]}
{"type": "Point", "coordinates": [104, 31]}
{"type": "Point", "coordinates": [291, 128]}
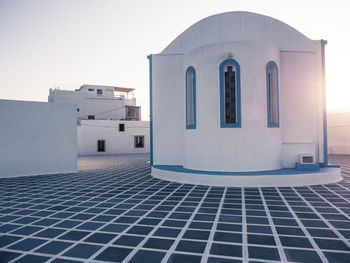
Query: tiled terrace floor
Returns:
{"type": "Point", "coordinates": [121, 214]}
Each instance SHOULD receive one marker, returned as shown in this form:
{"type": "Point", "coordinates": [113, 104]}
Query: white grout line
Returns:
{"type": "Point", "coordinates": [303, 228]}
{"type": "Point", "coordinates": [273, 228]}
{"type": "Point", "coordinates": [178, 238]}
{"type": "Point", "coordinates": [213, 228]}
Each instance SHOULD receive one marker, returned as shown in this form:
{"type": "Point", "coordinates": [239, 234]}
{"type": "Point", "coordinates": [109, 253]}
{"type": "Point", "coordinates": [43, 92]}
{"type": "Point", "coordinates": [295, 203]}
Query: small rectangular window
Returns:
{"type": "Point", "coordinates": [99, 92]}
{"type": "Point", "coordinates": [90, 90]}
{"type": "Point", "coordinates": [121, 127]}
{"type": "Point", "coordinates": [139, 141]}
{"type": "Point", "coordinates": [101, 145]}
{"type": "Point", "coordinates": [91, 117]}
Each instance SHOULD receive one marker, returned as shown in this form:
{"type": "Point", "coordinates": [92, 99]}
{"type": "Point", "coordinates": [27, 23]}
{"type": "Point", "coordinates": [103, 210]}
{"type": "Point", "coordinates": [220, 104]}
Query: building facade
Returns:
{"type": "Point", "coordinates": [109, 121]}
{"type": "Point", "coordinates": [338, 132]}
{"type": "Point", "coordinates": [37, 138]}
{"type": "Point", "coordinates": [238, 92]}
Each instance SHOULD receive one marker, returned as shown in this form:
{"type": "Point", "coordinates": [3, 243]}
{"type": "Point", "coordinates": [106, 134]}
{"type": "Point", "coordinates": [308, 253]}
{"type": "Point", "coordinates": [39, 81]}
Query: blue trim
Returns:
{"type": "Point", "coordinates": [307, 167]}
{"type": "Point", "coordinates": [325, 143]}
{"type": "Point", "coordinates": [284, 171]}
{"type": "Point", "coordinates": [270, 124]}
{"type": "Point", "coordinates": [222, 95]}
{"type": "Point", "coordinates": [150, 110]}
{"type": "Point", "coordinates": [190, 68]}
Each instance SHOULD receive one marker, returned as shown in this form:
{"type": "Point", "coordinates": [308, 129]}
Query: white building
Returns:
{"type": "Point", "coordinates": [100, 102]}
{"type": "Point", "coordinates": [37, 138]}
{"type": "Point", "coordinates": [338, 132]}
{"type": "Point", "coordinates": [239, 93]}
{"type": "Point", "coordinates": [109, 122]}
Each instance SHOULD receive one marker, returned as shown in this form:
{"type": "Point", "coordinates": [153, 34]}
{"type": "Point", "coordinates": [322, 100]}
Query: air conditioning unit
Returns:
{"type": "Point", "coordinates": [307, 158]}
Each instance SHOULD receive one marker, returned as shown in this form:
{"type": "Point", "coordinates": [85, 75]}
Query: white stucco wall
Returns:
{"type": "Point", "coordinates": [37, 138]}
{"type": "Point", "coordinates": [102, 107]}
{"type": "Point", "coordinates": [252, 40]}
{"type": "Point", "coordinates": [338, 132]}
{"type": "Point", "coordinates": [90, 131]}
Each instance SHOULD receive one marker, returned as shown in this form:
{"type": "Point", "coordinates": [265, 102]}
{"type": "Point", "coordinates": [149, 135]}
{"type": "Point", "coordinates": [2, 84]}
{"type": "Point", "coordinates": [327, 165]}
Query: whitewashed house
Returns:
{"type": "Point", "coordinates": [109, 121]}
{"type": "Point", "coordinates": [239, 99]}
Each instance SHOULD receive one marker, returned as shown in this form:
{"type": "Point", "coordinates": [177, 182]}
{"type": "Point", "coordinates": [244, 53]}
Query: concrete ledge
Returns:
{"type": "Point", "coordinates": [274, 178]}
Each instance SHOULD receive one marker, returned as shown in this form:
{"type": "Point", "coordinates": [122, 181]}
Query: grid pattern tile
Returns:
{"type": "Point", "coordinates": [118, 213]}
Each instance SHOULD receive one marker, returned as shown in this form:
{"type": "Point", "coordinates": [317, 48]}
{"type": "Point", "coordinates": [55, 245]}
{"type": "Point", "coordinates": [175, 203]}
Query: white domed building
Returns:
{"type": "Point", "coordinates": [238, 99]}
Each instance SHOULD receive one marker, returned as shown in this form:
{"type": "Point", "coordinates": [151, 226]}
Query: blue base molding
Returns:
{"type": "Point", "coordinates": [307, 167]}
{"type": "Point", "coordinates": [284, 171]}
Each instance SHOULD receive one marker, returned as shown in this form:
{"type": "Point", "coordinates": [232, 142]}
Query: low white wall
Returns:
{"type": "Point", "coordinates": [37, 138]}
{"type": "Point", "coordinates": [338, 132]}
{"type": "Point", "coordinates": [116, 142]}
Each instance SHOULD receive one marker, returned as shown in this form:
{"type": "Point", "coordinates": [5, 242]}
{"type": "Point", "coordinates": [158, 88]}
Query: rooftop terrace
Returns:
{"type": "Point", "coordinates": [114, 211]}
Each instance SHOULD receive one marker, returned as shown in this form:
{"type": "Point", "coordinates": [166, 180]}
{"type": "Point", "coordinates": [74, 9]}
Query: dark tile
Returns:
{"type": "Point", "coordinates": [259, 229]}
{"type": "Point", "coordinates": [46, 222]}
{"type": "Point", "coordinates": [61, 260]}
{"type": "Point", "coordinates": [182, 258]}
{"type": "Point", "coordinates": [337, 257]}
{"type": "Point", "coordinates": [100, 238]}
{"type": "Point", "coordinates": [191, 246]}
{"type": "Point", "coordinates": [223, 260]}
{"type": "Point", "coordinates": [157, 214]}
{"type": "Point", "coordinates": [229, 227]}
{"type": "Point", "coordinates": [149, 221]}
{"type": "Point", "coordinates": [27, 244]}
{"type": "Point", "coordinates": [32, 258]}
{"type": "Point", "coordinates": [226, 250]}
{"type": "Point", "coordinates": [263, 253]}
{"type": "Point", "coordinates": [127, 240]}
{"type": "Point", "coordinates": [8, 227]}
{"type": "Point", "coordinates": [114, 228]}
{"type": "Point", "coordinates": [261, 240]}
{"type": "Point", "coordinates": [74, 235]}
{"type": "Point", "coordinates": [201, 225]}
{"type": "Point", "coordinates": [6, 256]}
{"type": "Point", "coordinates": [103, 218]}
{"type": "Point", "coordinates": [126, 219]}
{"type": "Point", "coordinates": [7, 239]}
{"type": "Point", "coordinates": [331, 244]}
{"type": "Point", "coordinates": [82, 251]}
{"type": "Point", "coordinates": [303, 256]}
{"type": "Point", "coordinates": [314, 223]}
{"type": "Point", "coordinates": [114, 254]}
{"type": "Point", "coordinates": [158, 243]}
{"type": "Point", "coordinates": [196, 234]}
{"type": "Point", "coordinates": [54, 247]}
{"type": "Point", "coordinates": [320, 232]}
{"type": "Point", "coordinates": [140, 230]}
{"type": "Point", "coordinates": [167, 232]}
{"type": "Point", "coordinates": [228, 237]}
{"type": "Point", "coordinates": [50, 232]}
{"type": "Point", "coordinates": [27, 230]}
{"type": "Point", "coordinates": [174, 223]}
{"type": "Point", "coordinates": [285, 222]}
{"type": "Point", "coordinates": [90, 226]}
{"type": "Point", "coordinates": [146, 256]}
{"type": "Point", "coordinates": [68, 224]}
{"type": "Point", "coordinates": [292, 231]}
{"type": "Point", "coordinates": [295, 242]}
{"type": "Point", "coordinates": [204, 217]}
{"type": "Point", "coordinates": [230, 219]}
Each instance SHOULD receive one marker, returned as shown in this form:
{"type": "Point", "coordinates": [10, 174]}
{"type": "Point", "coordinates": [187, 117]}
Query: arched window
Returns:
{"type": "Point", "coordinates": [190, 98]}
{"type": "Point", "coordinates": [230, 94]}
{"type": "Point", "coordinates": [272, 95]}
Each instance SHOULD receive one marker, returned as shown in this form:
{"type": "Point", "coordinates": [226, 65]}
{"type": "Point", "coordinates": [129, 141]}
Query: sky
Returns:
{"type": "Point", "coordinates": [68, 43]}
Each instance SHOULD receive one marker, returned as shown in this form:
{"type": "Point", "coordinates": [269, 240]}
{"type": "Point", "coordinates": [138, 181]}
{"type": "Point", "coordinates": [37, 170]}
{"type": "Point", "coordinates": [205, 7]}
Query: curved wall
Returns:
{"type": "Point", "coordinates": [252, 147]}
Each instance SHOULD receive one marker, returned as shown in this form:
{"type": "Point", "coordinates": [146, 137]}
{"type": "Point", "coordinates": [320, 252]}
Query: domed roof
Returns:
{"type": "Point", "coordinates": [240, 26]}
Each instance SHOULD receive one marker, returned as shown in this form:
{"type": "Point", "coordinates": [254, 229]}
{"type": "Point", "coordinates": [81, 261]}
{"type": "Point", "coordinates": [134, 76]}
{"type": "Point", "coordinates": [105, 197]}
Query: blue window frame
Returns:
{"type": "Point", "coordinates": [272, 95]}
{"type": "Point", "coordinates": [230, 94]}
{"type": "Point", "coordinates": [190, 98]}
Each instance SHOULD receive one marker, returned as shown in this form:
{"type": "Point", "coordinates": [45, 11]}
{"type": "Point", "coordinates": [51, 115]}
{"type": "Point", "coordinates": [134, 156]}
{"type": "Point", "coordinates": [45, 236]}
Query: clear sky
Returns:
{"type": "Point", "coordinates": [45, 43]}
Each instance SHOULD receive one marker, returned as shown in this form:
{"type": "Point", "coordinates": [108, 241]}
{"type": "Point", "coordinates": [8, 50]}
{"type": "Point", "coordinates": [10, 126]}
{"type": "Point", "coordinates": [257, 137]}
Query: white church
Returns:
{"type": "Point", "coordinates": [239, 99]}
